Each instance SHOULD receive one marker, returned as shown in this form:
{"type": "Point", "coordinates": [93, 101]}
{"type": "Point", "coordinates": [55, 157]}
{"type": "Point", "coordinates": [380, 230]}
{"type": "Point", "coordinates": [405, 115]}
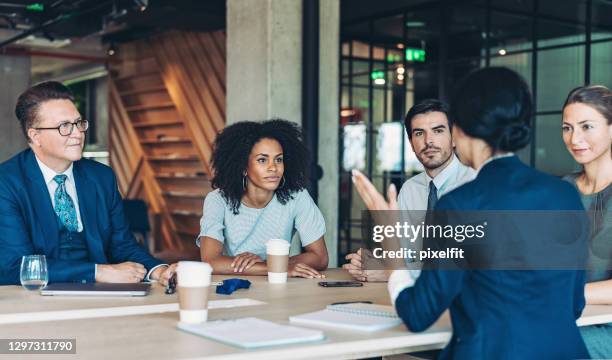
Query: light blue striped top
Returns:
{"type": "Point", "coordinates": [250, 229]}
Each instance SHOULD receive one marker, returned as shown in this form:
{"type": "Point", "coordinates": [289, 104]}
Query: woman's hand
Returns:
{"type": "Point", "coordinates": [371, 197]}
{"type": "Point", "coordinates": [304, 271]}
{"type": "Point", "coordinates": [244, 261]}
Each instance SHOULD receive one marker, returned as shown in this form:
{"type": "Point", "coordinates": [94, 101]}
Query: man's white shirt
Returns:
{"type": "Point", "coordinates": [413, 196]}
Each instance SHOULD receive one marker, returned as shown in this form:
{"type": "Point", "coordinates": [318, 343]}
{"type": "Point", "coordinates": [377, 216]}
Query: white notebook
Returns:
{"type": "Point", "coordinates": [252, 332]}
{"type": "Point", "coordinates": [358, 316]}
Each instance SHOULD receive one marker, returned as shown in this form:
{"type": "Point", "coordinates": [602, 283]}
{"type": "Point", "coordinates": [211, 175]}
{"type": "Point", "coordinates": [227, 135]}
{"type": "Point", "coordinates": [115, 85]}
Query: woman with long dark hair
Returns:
{"type": "Point", "coordinates": [587, 134]}
{"type": "Point", "coordinates": [259, 181]}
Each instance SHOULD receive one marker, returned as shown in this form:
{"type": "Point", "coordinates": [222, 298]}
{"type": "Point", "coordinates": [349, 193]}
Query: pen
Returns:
{"type": "Point", "coordinates": [351, 302]}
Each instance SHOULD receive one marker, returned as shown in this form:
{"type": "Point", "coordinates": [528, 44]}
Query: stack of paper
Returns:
{"type": "Point", "coordinates": [252, 332]}
{"type": "Point", "coordinates": [359, 317]}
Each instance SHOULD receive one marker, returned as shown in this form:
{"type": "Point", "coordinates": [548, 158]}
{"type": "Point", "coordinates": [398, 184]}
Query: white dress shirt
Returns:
{"type": "Point", "coordinates": [48, 175]}
{"type": "Point", "coordinates": [413, 196]}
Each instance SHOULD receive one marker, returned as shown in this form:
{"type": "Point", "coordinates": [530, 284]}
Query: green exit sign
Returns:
{"type": "Point", "coordinates": [35, 7]}
{"type": "Point", "coordinates": [378, 75]}
{"type": "Point", "coordinates": [416, 55]}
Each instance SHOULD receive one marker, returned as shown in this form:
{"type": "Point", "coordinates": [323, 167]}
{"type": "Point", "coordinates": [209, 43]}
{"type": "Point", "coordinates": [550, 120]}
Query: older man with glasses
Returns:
{"type": "Point", "coordinates": [54, 203]}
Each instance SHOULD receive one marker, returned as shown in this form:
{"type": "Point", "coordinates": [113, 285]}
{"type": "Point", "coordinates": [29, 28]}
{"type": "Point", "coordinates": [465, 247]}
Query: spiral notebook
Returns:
{"type": "Point", "coordinates": [358, 317]}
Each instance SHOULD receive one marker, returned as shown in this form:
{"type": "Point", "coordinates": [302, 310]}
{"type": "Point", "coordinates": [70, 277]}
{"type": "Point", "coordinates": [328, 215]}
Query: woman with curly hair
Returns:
{"type": "Point", "coordinates": [259, 182]}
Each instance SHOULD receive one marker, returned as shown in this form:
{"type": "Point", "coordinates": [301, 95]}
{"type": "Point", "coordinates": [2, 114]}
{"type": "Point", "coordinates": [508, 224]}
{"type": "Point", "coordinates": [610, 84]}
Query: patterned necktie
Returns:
{"type": "Point", "coordinates": [432, 199]}
{"type": "Point", "coordinates": [64, 206]}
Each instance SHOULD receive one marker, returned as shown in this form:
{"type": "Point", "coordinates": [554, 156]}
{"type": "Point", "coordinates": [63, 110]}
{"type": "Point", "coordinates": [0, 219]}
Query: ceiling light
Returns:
{"type": "Point", "coordinates": [112, 50]}
{"type": "Point", "coordinates": [502, 52]}
{"type": "Point", "coordinates": [379, 81]}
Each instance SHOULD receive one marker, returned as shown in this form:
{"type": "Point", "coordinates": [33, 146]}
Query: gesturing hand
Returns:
{"type": "Point", "coordinates": [371, 197]}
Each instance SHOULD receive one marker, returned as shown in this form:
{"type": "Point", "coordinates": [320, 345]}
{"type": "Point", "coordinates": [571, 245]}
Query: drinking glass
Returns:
{"type": "Point", "coordinates": [34, 274]}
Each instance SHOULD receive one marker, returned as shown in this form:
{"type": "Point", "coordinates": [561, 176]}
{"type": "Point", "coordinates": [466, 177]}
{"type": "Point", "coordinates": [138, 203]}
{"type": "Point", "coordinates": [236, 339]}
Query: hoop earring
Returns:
{"type": "Point", "coordinates": [244, 182]}
{"type": "Point", "coordinates": [283, 183]}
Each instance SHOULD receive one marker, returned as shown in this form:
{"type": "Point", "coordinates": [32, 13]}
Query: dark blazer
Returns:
{"type": "Point", "coordinates": [28, 223]}
{"type": "Point", "coordinates": [505, 314]}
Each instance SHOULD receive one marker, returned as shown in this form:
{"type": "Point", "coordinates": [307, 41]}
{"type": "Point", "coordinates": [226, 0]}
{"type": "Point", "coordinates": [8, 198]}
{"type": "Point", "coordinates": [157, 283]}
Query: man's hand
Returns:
{"type": "Point", "coordinates": [355, 268]}
{"type": "Point", "coordinates": [371, 197]}
{"type": "Point", "coordinates": [127, 272]}
{"type": "Point", "coordinates": [244, 261]}
{"type": "Point", "coordinates": [303, 270]}
{"type": "Point", "coordinates": [163, 274]}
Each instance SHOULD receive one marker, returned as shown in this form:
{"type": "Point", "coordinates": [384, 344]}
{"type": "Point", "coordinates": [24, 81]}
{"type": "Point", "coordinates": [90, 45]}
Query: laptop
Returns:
{"type": "Point", "coordinates": [96, 289]}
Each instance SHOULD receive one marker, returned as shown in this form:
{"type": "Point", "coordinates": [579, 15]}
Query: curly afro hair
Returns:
{"type": "Point", "coordinates": [231, 154]}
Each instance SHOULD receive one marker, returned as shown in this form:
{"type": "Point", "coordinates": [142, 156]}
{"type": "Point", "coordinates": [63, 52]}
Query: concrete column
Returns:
{"type": "Point", "coordinates": [264, 55]}
{"type": "Point", "coordinates": [15, 75]}
{"type": "Point", "coordinates": [329, 112]}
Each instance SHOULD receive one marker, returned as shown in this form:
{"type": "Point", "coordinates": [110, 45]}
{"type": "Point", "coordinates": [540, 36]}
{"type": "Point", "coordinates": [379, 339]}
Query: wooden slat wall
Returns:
{"type": "Point", "coordinates": [166, 105]}
{"type": "Point", "coordinates": [193, 69]}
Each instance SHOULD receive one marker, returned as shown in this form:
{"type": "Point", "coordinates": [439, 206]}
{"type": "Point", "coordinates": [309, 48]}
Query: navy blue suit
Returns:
{"type": "Point", "coordinates": [505, 314]}
{"type": "Point", "coordinates": [28, 223]}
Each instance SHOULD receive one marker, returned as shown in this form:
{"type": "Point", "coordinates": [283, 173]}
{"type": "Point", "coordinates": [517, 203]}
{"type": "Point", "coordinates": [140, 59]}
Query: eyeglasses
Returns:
{"type": "Point", "coordinates": [65, 129]}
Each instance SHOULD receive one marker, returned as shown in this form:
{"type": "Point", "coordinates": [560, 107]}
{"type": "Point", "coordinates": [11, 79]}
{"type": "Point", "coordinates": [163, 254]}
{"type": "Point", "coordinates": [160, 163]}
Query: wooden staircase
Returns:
{"type": "Point", "coordinates": [160, 140]}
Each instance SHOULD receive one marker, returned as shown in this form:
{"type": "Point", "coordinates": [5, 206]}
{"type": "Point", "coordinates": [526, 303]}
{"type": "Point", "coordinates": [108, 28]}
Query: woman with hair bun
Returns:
{"type": "Point", "coordinates": [259, 181]}
{"type": "Point", "coordinates": [587, 134]}
{"type": "Point", "coordinates": [498, 312]}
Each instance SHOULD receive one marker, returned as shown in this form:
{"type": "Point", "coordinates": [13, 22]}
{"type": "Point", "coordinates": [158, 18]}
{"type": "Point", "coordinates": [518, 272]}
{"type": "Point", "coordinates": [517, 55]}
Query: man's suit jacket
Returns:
{"type": "Point", "coordinates": [29, 225]}
{"type": "Point", "coordinates": [505, 314]}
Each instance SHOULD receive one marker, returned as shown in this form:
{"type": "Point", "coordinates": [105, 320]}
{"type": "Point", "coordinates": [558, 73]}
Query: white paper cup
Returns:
{"type": "Point", "coordinates": [277, 251]}
{"type": "Point", "coordinates": [193, 282]}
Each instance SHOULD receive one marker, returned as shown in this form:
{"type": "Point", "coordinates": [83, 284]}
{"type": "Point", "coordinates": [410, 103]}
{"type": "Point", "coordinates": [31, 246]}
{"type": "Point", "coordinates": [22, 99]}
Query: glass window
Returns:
{"type": "Point", "coordinates": [559, 71]}
{"type": "Point", "coordinates": [361, 102]}
{"type": "Point", "coordinates": [354, 147]}
{"type": "Point", "coordinates": [378, 105]}
{"type": "Point", "coordinates": [515, 5]}
{"type": "Point", "coordinates": [551, 33]}
{"type": "Point", "coordinates": [561, 22]}
{"type": "Point", "coordinates": [345, 70]}
{"type": "Point", "coordinates": [389, 149]}
{"type": "Point", "coordinates": [345, 97]}
{"type": "Point", "coordinates": [423, 31]}
{"type": "Point", "coordinates": [361, 74]}
{"type": "Point", "coordinates": [466, 32]}
{"type": "Point", "coordinates": [390, 29]}
{"type": "Point", "coordinates": [521, 63]}
{"type": "Point", "coordinates": [571, 12]}
{"type": "Point", "coordinates": [551, 154]}
{"type": "Point", "coordinates": [425, 80]}
{"type": "Point", "coordinates": [509, 33]}
{"type": "Point", "coordinates": [601, 20]}
{"type": "Point", "coordinates": [601, 63]}
{"type": "Point", "coordinates": [346, 48]}
{"type": "Point", "coordinates": [458, 70]}
{"type": "Point", "coordinates": [361, 50]}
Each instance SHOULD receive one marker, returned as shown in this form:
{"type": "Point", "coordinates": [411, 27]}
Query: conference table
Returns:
{"type": "Point", "coordinates": [100, 334]}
